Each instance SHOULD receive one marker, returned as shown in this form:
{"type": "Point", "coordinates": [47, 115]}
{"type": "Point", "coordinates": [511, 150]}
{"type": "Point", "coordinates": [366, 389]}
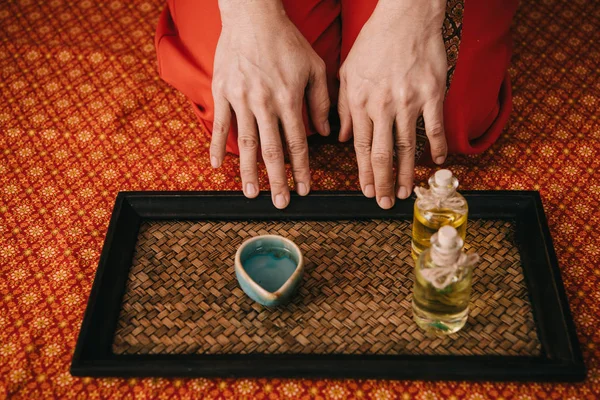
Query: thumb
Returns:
{"type": "Point", "coordinates": [318, 100]}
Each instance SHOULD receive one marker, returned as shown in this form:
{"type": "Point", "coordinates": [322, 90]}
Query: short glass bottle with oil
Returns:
{"type": "Point", "coordinates": [442, 286]}
{"type": "Point", "coordinates": [438, 206]}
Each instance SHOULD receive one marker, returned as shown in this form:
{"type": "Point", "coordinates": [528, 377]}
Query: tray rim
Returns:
{"type": "Point", "coordinates": [561, 358]}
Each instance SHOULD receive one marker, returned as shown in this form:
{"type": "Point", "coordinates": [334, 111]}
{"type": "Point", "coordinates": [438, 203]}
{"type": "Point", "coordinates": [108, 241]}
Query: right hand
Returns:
{"type": "Point", "coordinates": [263, 67]}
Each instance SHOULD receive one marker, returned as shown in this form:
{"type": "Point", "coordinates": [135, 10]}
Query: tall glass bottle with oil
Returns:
{"type": "Point", "coordinates": [438, 206]}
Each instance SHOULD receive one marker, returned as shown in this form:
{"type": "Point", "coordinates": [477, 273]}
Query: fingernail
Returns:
{"type": "Point", "coordinates": [302, 189]}
{"type": "Point", "coordinates": [402, 192]}
{"type": "Point", "coordinates": [250, 189]}
{"type": "Point", "coordinates": [440, 160]}
{"type": "Point", "coordinates": [280, 201]}
{"type": "Point", "coordinates": [385, 202]}
{"type": "Point", "coordinates": [326, 128]}
{"type": "Point", "coordinates": [370, 191]}
{"type": "Point", "coordinates": [214, 162]}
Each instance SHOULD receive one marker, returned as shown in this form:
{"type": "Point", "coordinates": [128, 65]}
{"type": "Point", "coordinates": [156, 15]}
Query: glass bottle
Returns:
{"type": "Point", "coordinates": [442, 285]}
{"type": "Point", "coordinates": [435, 207]}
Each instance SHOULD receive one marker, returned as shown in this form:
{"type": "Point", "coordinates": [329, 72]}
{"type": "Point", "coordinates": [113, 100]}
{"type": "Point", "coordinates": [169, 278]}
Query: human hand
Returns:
{"type": "Point", "coordinates": [263, 67]}
{"type": "Point", "coordinates": [395, 71]}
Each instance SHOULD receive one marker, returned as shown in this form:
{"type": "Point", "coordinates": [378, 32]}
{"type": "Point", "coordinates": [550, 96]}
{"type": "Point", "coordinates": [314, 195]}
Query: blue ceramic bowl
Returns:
{"type": "Point", "coordinates": [269, 269]}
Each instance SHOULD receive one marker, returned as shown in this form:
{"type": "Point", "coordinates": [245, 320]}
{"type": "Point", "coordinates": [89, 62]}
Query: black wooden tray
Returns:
{"type": "Point", "coordinates": [119, 337]}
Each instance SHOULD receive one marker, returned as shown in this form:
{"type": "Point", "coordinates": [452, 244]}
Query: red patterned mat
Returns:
{"type": "Point", "coordinates": [84, 115]}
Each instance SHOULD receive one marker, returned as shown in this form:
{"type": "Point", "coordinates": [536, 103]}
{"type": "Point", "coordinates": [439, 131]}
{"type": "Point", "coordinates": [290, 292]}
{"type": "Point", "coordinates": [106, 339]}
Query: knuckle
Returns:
{"type": "Point", "coordinates": [437, 138]}
{"type": "Point", "coordinates": [324, 104]}
{"type": "Point", "coordinates": [297, 147]}
{"type": "Point", "coordinates": [261, 98]}
{"type": "Point", "coordinates": [405, 97]}
{"type": "Point", "coordinates": [272, 153]}
{"type": "Point", "coordinates": [288, 98]}
{"type": "Point", "coordinates": [214, 148]}
{"type": "Point", "coordinates": [405, 145]}
{"type": "Point", "coordinates": [435, 131]}
{"type": "Point", "coordinates": [383, 99]}
{"type": "Point", "coordinates": [237, 93]}
{"type": "Point", "coordinates": [362, 146]}
{"type": "Point", "coordinates": [384, 187]}
{"type": "Point", "coordinates": [438, 147]}
{"type": "Point", "coordinates": [320, 67]}
{"type": "Point", "coordinates": [247, 142]}
{"type": "Point", "coordinates": [219, 127]}
{"type": "Point", "coordinates": [432, 87]}
{"type": "Point", "coordinates": [380, 107]}
{"type": "Point", "coordinates": [247, 172]}
{"type": "Point", "coordinates": [358, 95]}
{"type": "Point", "coordinates": [382, 157]}
{"type": "Point", "coordinates": [300, 172]}
{"type": "Point", "coordinates": [357, 100]}
{"type": "Point", "coordinates": [404, 175]}
{"type": "Point", "coordinates": [277, 183]}
{"type": "Point", "coordinates": [218, 86]}
{"type": "Point", "coordinates": [322, 108]}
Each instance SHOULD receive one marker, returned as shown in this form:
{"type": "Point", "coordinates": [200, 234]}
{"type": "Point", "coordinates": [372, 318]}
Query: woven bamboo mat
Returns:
{"type": "Point", "coordinates": [182, 296]}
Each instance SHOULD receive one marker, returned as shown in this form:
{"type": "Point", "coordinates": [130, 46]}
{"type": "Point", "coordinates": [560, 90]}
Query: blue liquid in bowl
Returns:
{"type": "Point", "coordinates": [270, 267]}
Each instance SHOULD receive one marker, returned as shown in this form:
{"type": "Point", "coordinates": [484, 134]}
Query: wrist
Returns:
{"type": "Point", "coordinates": [418, 15]}
{"type": "Point", "coordinates": [238, 10]}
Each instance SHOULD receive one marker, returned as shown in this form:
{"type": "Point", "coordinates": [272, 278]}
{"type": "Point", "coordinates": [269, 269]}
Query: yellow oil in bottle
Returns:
{"type": "Point", "coordinates": [441, 311]}
{"type": "Point", "coordinates": [426, 223]}
{"type": "Point", "coordinates": [442, 284]}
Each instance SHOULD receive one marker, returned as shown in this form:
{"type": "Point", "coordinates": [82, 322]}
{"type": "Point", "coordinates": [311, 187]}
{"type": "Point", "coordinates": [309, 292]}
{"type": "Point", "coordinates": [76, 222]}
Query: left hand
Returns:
{"type": "Point", "coordinates": [395, 71]}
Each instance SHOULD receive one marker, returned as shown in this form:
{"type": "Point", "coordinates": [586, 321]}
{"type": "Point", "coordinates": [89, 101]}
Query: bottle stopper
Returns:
{"type": "Point", "coordinates": [446, 245]}
{"type": "Point", "coordinates": [447, 237]}
{"type": "Point", "coordinates": [443, 177]}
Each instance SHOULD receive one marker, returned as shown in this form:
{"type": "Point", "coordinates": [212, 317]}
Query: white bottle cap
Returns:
{"type": "Point", "coordinates": [443, 177]}
{"type": "Point", "coordinates": [447, 237]}
{"type": "Point", "coordinates": [446, 246]}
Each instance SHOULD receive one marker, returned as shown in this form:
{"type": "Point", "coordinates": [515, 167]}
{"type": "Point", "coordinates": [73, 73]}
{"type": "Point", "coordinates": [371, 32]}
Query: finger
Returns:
{"type": "Point", "coordinates": [363, 141]}
{"type": "Point", "coordinates": [433, 114]}
{"type": "Point", "coordinates": [248, 145]}
{"type": "Point", "coordinates": [344, 112]}
{"type": "Point", "coordinates": [382, 157]}
{"type": "Point", "coordinates": [272, 153]}
{"type": "Point", "coordinates": [221, 124]}
{"type": "Point", "coordinates": [405, 141]}
{"type": "Point", "coordinates": [318, 99]}
{"type": "Point", "coordinates": [295, 136]}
